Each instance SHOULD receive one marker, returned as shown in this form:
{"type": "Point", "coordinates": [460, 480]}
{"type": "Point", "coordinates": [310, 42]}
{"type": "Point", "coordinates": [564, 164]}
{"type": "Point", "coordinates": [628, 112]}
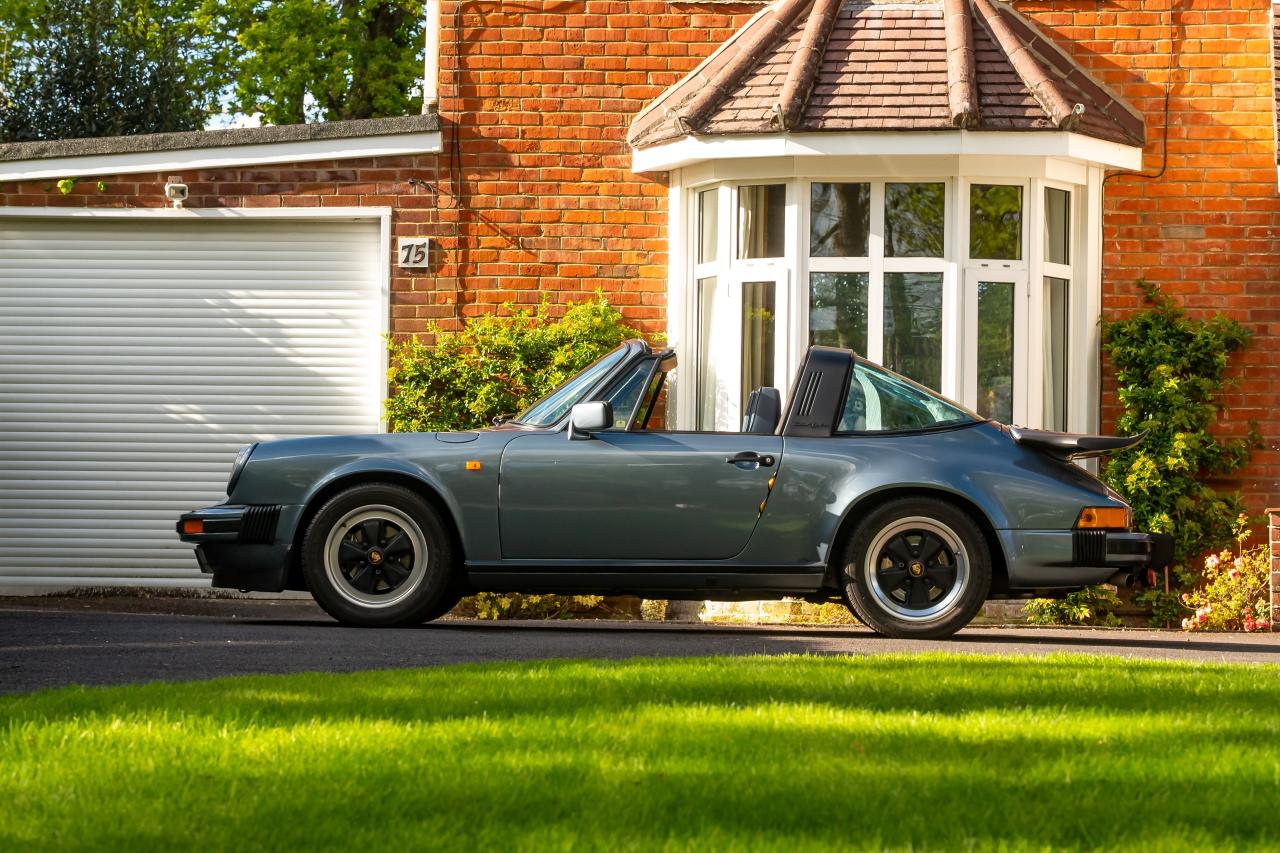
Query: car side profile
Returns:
{"type": "Point", "coordinates": [864, 487]}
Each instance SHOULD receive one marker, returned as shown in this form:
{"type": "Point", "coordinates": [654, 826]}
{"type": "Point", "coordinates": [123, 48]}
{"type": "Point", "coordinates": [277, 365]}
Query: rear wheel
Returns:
{"type": "Point", "coordinates": [916, 568]}
{"type": "Point", "coordinates": [378, 555]}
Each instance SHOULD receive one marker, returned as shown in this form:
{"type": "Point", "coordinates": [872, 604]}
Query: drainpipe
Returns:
{"type": "Point", "coordinates": [431, 58]}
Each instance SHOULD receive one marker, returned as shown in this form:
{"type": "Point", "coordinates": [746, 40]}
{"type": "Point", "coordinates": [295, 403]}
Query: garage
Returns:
{"type": "Point", "coordinates": [139, 350]}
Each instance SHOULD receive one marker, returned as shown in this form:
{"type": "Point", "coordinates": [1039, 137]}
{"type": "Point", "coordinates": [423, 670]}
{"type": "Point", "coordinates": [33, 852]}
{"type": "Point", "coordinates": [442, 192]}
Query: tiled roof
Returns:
{"type": "Point", "coordinates": [854, 65]}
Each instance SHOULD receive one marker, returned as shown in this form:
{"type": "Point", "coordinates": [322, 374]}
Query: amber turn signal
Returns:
{"type": "Point", "coordinates": [193, 525]}
{"type": "Point", "coordinates": [1103, 517]}
{"type": "Point", "coordinates": [473, 465]}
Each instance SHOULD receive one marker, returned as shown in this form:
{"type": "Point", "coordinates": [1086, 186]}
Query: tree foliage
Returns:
{"type": "Point", "coordinates": [76, 68]}
{"type": "Point", "coordinates": [308, 60]}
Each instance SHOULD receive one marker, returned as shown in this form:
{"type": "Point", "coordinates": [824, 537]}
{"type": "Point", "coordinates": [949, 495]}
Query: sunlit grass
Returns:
{"type": "Point", "coordinates": [924, 752]}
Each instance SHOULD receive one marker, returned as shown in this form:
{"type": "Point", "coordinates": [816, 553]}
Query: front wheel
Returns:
{"type": "Point", "coordinates": [916, 568]}
{"type": "Point", "coordinates": [378, 555]}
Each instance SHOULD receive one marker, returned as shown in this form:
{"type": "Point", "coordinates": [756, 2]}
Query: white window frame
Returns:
{"type": "Point", "coordinates": [959, 319]}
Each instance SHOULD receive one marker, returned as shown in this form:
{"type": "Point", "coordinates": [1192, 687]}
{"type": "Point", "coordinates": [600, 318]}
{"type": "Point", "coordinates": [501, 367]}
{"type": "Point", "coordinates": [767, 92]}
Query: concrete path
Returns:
{"type": "Point", "coordinates": [52, 643]}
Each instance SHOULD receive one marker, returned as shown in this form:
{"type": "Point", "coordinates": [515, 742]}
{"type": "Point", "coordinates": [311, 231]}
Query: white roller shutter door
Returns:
{"type": "Point", "coordinates": [137, 356]}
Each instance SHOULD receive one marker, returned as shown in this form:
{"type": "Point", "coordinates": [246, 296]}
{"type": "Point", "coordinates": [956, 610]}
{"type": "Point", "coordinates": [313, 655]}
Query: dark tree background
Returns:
{"type": "Point", "coordinates": [75, 68]}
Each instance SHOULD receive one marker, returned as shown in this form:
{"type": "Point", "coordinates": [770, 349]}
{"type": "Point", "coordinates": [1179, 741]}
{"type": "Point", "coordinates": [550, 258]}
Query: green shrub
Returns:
{"type": "Point", "coordinates": [1235, 590]}
{"type": "Point", "coordinates": [499, 366]}
{"type": "Point", "coordinates": [495, 365]}
{"type": "Point", "coordinates": [1089, 606]}
{"type": "Point", "coordinates": [1171, 371]}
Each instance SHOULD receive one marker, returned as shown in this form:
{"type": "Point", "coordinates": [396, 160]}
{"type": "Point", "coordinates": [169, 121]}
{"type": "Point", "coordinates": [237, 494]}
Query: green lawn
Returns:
{"type": "Point", "coordinates": [918, 752]}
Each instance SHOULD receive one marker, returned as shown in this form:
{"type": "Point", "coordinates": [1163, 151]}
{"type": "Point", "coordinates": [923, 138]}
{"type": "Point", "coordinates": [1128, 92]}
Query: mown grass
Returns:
{"type": "Point", "coordinates": [918, 752]}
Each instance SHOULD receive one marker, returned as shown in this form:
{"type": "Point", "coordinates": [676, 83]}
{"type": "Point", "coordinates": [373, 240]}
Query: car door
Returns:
{"type": "Point", "coordinates": [633, 496]}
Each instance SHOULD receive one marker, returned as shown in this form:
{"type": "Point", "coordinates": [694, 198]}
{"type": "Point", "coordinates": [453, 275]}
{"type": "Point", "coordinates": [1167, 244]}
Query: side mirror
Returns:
{"type": "Point", "coordinates": [586, 418]}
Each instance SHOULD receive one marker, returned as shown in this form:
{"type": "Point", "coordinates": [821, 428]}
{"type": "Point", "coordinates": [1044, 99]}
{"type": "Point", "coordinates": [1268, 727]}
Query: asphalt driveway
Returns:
{"type": "Point", "coordinates": [52, 643]}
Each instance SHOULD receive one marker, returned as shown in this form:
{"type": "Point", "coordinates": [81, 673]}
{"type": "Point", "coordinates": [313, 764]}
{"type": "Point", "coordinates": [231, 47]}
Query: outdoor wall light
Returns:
{"type": "Point", "coordinates": [176, 191]}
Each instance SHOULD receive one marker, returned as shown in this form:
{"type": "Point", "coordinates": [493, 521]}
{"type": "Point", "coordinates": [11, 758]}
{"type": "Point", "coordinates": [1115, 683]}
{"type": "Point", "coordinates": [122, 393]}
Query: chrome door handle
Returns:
{"type": "Point", "coordinates": [750, 456]}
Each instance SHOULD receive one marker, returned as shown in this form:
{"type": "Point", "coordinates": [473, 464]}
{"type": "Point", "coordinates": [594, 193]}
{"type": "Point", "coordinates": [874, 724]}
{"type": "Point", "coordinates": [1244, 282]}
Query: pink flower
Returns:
{"type": "Point", "coordinates": [1239, 562]}
{"type": "Point", "coordinates": [1234, 574]}
{"type": "Point", "coordinates": [1186, 624]}
{"type": "Point", "coordinates": [1211, 561]}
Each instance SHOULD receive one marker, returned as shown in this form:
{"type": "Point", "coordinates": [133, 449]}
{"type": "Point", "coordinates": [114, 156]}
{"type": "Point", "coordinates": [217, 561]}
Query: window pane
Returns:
{"type": "Point", "coordinates": [762, 212]}
{"type": "Point", "coordinates": [995, 222]}
{"type": "Point", "coordinates": [913, 326]}
{"type": "Point", "coordinates": [625, 394]}
{"type": "Point", "coordinates": [708, 225]}
{"type": "Point", "coordinates": [708, 386]}
{"type": "Point", "coordinates": [914, 220]}
{"type": "Point", "coordinates": [995, 350]}
{"type": "Point", "coordinates": [838, 310]}
{"type": "Point", "coordinates": [881, 402]}
{"type": "Point", "coordinates": [757, 338]}
{"type": "Point", "coordinates": [1057, 293]}
{"type": "Point", "coordinates": [839, 220]}
{"type": "Point", "coordinates": [1057, 226]}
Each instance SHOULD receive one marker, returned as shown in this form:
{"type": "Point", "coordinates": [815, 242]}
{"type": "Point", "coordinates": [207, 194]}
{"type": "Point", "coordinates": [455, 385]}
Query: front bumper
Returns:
{"type": "Point", "coordinates": [237, 545]}
{"type": "Point", "coordinates": [1048, 559]}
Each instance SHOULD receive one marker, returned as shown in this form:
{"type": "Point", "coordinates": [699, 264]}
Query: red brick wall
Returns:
{"type": "Point", "coordinates": [542, 94]}
{"type": "Point", "coordinates": [1208, 228]}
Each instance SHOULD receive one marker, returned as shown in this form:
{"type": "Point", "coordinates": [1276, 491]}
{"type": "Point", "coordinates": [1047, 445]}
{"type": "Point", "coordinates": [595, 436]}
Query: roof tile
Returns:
{"type": "Point", "coordinates": [839, 65]}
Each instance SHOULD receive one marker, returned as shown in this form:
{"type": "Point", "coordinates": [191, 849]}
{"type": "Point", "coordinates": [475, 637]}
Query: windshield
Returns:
{"type": "Point", "coordinates": [552, 407]}
{"type": "Point", "coordinates": [881, 401]}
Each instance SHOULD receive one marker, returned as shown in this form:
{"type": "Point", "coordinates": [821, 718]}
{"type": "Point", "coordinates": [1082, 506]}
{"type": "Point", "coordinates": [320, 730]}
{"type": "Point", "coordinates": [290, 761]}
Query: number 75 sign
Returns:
{"type": "Point", "coordinates": [413, 252]}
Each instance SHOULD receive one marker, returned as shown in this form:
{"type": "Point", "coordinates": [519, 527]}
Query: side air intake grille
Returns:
{"type": "Point", "coordinates": [809, 393]}
{"type": "Point", "coordinates": [1089, 547]}
{"type": "Point", "coordinates": [258, 527]}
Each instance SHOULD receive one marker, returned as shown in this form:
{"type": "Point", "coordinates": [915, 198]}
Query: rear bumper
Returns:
{"type": "Point", "coordinates": [238, 546]}
{"type": "Point", "coordinates": [1047, 559]}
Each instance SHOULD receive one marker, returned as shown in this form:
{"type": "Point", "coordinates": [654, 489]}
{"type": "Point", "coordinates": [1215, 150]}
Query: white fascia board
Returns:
{"type": "Point", "coordinates": [197, 212]}
{"type": "Point", "coordinates": [267, 153]}
{"type": "Point", "coordinates": [691, 150]}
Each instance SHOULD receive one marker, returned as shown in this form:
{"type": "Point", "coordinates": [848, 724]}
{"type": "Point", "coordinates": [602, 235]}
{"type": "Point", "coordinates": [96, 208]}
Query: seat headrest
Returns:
{"type": "Point", "coordinates": [764, 410]}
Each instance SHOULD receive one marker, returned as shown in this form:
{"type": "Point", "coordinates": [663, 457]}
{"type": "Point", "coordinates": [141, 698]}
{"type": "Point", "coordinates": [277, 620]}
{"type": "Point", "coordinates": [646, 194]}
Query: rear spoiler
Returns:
{"type": "Point", "coordinates": [1067, 446]}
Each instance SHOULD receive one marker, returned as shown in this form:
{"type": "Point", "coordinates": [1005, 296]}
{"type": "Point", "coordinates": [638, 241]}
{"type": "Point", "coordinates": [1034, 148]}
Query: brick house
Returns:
{"type": "Point", "coordinates": [957, 188]}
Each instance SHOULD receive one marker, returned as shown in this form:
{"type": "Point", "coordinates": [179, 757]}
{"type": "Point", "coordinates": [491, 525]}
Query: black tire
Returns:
{"type": "Point", "coordinates": [930, 575]}
{"type": "Point", "coordinates": [407, 571]}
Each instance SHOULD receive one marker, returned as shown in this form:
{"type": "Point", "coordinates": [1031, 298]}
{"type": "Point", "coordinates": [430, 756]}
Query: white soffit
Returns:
{"type": "Point", "coordinates": [691, 150]}
{"type": "Point", "coordinates": [262, 154]}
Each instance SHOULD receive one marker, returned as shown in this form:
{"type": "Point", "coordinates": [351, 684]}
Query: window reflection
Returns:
{"type": "Point", "coordinates": [708, 225]}
{"type": "Point", "coordinates": [757, 337]}
{"type": "Point", "coordinates": [914, 220]}
{"type": "Point", "coordinates": [1057, 226]}
{"type": "Point", "coordinates": [995, 222]}
{"type": "Point", "coordinates": [762, 213]}
{"type": "Point", "coordinates": [1057, 301]}
{"type": "Point", "coordinates": [839, 220]}
{"type": "Point", "coordinates": [838, 310]}
{"type": "Point", "coordinates": [913, 326]}
{"type": "Point", "coordinates": [995, 350]}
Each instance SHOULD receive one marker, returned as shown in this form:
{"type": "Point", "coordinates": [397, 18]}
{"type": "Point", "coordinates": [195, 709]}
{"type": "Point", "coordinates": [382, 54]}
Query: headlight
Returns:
{"type": "Point", "coordinates": [237, 468]}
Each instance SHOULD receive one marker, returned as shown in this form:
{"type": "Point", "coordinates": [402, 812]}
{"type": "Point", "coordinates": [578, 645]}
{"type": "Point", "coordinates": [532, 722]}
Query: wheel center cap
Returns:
{"type": "Point", "coordinates": [917, 569]}
{"type": "Point", "coordinates": [375, 556]}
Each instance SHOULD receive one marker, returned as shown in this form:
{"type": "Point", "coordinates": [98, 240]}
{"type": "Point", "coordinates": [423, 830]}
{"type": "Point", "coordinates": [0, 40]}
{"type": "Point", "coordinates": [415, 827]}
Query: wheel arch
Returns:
{"type": "Point", "coordinates": [867, 503]}
{"type": "Point", "coordinates": [419, 486]}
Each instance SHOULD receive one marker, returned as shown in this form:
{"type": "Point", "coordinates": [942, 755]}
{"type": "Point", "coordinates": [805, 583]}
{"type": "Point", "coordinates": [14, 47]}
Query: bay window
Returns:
{"type": "Point", "coordinates": [929, 275]}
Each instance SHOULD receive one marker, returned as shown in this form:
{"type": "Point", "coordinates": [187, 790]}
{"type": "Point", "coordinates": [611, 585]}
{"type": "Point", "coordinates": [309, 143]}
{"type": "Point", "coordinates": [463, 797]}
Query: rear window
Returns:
{"type": "Point", "coordinates": [882, 401]}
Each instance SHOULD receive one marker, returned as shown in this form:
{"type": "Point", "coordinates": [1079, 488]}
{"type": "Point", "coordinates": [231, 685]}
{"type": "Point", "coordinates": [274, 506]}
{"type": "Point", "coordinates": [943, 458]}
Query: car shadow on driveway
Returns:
{"type": "Point", "coordinates": [1030, 638]}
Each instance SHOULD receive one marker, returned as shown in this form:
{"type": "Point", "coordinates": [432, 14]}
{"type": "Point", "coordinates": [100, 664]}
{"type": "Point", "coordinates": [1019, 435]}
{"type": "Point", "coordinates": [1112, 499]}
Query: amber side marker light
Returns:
{"type": "Point", "coordinates": [193, 525]}
{"type": "Point", "coordinates": [473, 465]}
{"type": "Point", "coordinates": [1103, 517]}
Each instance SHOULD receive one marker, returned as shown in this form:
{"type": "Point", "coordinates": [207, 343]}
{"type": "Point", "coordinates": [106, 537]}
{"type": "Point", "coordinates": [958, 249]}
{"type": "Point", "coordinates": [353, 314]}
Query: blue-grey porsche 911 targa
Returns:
{"type": "Point", "coordinates": [864, 488]}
